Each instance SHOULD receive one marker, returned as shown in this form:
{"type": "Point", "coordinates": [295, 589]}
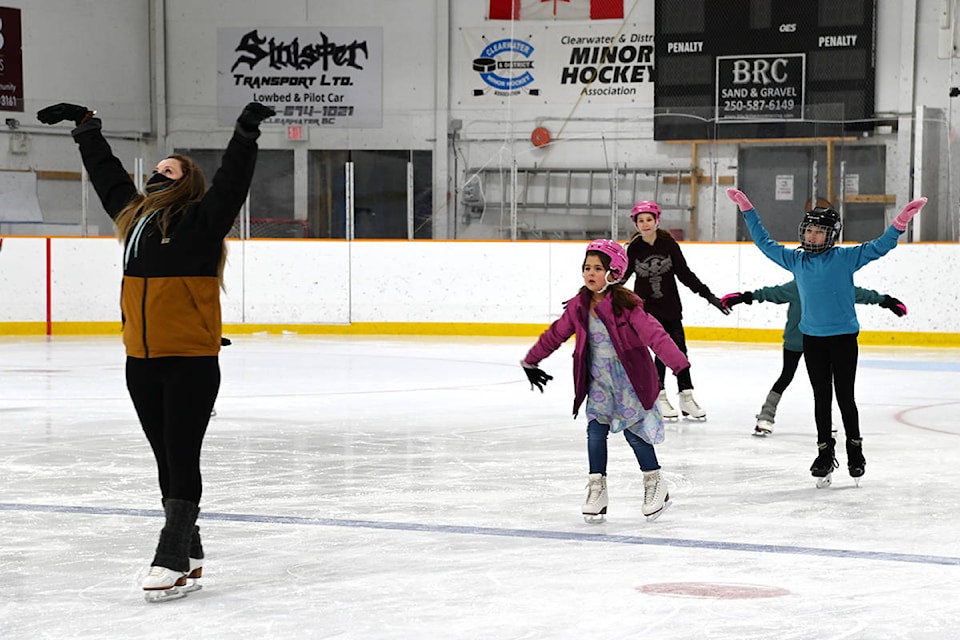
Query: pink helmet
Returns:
{"type": "Point", "coordinates": [645, 206]}
{"type": "Point", "coordinates": [613, 250]}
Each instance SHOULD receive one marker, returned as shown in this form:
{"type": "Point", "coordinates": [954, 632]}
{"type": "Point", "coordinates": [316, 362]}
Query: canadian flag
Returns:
{"type": "Point", "coordinates": [556, 9]}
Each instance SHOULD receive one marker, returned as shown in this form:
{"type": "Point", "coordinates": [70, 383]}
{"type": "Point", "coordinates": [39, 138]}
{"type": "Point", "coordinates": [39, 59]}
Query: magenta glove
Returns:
{"type": "Point", "coordinates": [740, 198]}
{"type": "Point", "coordinates": [912, 209]}
{"type": "Point", "coordinates": [736, 298]}
{"type": "Point", "coordinates": [898, 308]}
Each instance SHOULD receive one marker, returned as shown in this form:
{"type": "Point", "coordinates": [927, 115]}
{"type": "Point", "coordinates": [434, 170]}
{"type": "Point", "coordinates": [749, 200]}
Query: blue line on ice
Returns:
{"type": "Point", "coordinates": [568, 536]}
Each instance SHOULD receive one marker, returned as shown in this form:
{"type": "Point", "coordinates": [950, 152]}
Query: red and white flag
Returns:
{"type": "Point", "coordinates": [556, 10]}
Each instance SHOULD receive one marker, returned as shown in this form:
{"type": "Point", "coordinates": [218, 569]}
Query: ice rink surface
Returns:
{"type": "Point", "coordinates": [417, 488]}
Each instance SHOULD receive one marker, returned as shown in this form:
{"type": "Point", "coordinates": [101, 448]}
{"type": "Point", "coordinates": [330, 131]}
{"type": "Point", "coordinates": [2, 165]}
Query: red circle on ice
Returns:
{"type": "Point", "coordinates": [716, 590]}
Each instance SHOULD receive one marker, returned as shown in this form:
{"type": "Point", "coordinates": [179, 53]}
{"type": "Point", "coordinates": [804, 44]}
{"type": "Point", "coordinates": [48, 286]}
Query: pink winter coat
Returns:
{"type": "Point", "coordinates": [633, 333]}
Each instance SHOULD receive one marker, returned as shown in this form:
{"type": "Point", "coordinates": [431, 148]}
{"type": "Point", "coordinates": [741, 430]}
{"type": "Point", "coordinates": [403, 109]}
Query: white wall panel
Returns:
{"type": "Point", "coordinates": [86, 275]}
{"type": "Point", "coordinates": [279, 282]}
{"type": "Point", "coordinates": [23, 268]}
{"type": "Point", "coordinates": [449, 282]}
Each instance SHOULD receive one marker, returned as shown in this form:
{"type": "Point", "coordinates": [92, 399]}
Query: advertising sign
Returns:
{"type": "Point", "coordinates": [550, 64]}
{"type": "Point", "coordinates": [317, 76]}
{"type": "Point", "coordinates": [11, 61]}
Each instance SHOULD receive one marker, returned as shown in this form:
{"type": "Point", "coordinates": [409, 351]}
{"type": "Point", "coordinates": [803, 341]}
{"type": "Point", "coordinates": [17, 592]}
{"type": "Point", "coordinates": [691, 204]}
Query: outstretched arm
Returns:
{"type": "Point", "coordinates": [904, 217]}
{"type": "Point", "coordinates": [107, 175]}
{"type": "Point", "coordinates": [773, 250]}
{"type": "Point", "coordinates": [230, 184]}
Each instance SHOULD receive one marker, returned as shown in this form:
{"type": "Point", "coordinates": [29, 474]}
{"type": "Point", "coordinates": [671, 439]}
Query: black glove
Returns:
{"type": "Point", "coordinates": [736, 298]}
{"type": "Point", "coordinates": [715, 301]}
{"type": "Point", "coordinates": [64, 111]}
{"type": "Point", "coordinates": [538, 377]}
{"type": "Point", "coordinates": [253, 114]}
{"type": "Point", "coordinates": [897, 307]}
{"type": "Point", "coordinates": [225, 342]}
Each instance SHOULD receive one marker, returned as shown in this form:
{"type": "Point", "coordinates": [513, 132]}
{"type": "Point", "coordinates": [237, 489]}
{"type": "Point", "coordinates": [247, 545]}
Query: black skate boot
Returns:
{"type": "Point", "coordinates": [822, 468]}
{"type": "Point", "coordinates": [856, 463]}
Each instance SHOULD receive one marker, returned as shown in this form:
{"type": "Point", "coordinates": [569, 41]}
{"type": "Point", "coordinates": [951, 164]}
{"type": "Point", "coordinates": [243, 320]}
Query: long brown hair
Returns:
{"type": "Point", "coordinates": [171, 201]}
{"type": "Point", "coordinates": [661, 233]}
{"type": "Point", "coordinates": [621, 297]}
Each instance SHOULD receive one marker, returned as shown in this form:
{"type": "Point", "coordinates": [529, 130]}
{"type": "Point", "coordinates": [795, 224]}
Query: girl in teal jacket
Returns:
{"type": "Point", "coordinates": [792, 338]}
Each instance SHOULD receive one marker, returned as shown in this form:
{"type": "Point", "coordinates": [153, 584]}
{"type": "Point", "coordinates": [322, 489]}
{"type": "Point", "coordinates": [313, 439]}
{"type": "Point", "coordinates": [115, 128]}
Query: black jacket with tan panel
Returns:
{"type": "Point", "coordinates": [170, 298]}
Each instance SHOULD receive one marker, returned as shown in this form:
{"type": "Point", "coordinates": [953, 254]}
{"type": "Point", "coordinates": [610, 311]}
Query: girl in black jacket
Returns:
{"type": "Point", "coordinates": [655, 257]}
{"type": "Point", "coordinates": [174, 254]}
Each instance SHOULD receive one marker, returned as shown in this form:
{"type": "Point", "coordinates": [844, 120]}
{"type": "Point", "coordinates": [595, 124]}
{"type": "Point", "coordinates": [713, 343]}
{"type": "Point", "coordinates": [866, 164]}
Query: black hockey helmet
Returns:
{"type": "Point", "coordinates": [826, 218]}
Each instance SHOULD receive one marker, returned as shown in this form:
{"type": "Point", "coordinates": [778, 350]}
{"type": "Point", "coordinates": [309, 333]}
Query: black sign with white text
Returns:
{"type": "Point", "coordinates": [763, 68]}
{"type": "Point", "coordinates": [11, 61]}
{"type": "Point", "coordinates": [760, 86]}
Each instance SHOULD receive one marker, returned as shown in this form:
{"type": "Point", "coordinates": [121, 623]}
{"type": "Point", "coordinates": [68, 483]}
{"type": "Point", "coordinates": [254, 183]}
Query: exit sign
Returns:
{"type": "Point", "coordinates": [296, 132]}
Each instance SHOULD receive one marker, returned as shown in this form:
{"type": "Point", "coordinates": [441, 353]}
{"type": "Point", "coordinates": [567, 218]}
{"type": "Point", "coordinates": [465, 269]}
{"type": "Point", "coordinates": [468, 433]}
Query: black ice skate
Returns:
{"type": "Point", "coordinates": [856, 463]}
{"type": "Point", "coordinates": [822, 468]}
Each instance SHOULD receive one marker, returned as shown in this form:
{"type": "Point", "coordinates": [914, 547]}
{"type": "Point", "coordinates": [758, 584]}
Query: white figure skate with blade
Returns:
{"type": "Point", "coordinates": [656, 497]}
{"type": "Point", "coordinates": [689, 407]}
{"type": "Point", "coordinates": [763, 428]}
{"type": "Point", "coordinates": [666, 409]}
{"type": "Point", "coordinates": [595, 506]}
{"type": "Point", "coordinates": [163, 585]}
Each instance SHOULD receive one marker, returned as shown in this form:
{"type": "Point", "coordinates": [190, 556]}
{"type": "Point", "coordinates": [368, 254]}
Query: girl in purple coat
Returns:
{"type": "Point", "coordinates": [613, 372]}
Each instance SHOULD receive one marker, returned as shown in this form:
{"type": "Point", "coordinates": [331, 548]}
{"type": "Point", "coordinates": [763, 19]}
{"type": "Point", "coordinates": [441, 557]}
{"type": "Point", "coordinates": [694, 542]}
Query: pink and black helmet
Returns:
{"type": "Point", "coordinates": [613, 250]}
{"type": "Point", "coordinates": [645, 206]}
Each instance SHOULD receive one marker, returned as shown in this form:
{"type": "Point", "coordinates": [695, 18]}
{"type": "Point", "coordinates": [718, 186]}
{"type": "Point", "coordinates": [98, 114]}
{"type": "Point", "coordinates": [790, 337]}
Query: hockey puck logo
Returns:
{"type": "Point", "coordinates": [506, 68]}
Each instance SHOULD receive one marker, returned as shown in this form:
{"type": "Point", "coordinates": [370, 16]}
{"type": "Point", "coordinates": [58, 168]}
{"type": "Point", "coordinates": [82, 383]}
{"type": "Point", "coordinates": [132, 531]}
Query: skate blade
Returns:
{"type": "Point", "coordinates": [825, 481]}
{"type": "Point", "coordinates": [691, 418]}
{"type": "Point", "coordinates": [191, 588]}
{"type": "Point", "coordinates": [595, 518]}
{"type": "Point", "coordinates": [156, 596]}
{"type": "Point", "coordinates": [653, 516]}
{"type": "Point", "coordinates": [760, 433]}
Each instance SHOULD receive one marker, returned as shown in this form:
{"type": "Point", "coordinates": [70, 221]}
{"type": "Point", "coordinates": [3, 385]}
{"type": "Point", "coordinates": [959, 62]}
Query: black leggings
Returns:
{"type": "Point", "coordinates": [832, 364]}
{"type": "Point", "coordinates": [173, 398]}
{"type": "Point", "coordinates": [791, 360]}
{"type": "Point", "coordinates": [674, 329]}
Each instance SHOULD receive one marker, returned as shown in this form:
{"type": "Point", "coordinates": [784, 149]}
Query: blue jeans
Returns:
{"type": "Point", "coordinates": [597, 448]}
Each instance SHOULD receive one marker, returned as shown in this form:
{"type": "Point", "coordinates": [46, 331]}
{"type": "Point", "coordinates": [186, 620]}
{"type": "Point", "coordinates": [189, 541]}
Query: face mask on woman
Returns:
{"type": "Point", "coordinates": [158, 182]}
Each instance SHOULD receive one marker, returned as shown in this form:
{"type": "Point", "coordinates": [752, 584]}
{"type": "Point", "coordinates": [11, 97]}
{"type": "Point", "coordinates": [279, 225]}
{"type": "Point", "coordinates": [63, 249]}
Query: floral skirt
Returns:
{"type": "Point", "coordinates": [612, 400]}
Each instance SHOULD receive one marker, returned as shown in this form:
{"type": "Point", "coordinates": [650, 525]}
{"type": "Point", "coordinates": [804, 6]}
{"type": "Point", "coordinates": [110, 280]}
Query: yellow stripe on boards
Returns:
{"type": "Point", "coordinates": [706, 334]}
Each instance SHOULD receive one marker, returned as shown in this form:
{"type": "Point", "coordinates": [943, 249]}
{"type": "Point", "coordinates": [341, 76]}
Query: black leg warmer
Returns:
{"type": "Point", "coordinates": [174, 546]}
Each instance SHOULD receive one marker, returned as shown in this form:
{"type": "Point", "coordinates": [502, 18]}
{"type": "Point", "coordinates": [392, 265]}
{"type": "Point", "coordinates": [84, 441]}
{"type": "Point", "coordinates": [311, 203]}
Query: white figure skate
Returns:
{"type": "Point", "coordinates": [666, 409]}
{"type": "Point", "coordinates": [763, 428]}
{"type": "Point", "coordinates": [595, 506]}
{"type": "Point", "coordinates": [656, 498]}
{"type": "Point", "coordinates": [163, 585]}
{"type": "Point", "coordinates": [690, 408]}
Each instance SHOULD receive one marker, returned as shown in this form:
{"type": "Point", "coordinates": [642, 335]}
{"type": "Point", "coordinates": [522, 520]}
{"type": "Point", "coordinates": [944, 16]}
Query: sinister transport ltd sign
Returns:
{"type": "Point", "coordinates": [312, 76]}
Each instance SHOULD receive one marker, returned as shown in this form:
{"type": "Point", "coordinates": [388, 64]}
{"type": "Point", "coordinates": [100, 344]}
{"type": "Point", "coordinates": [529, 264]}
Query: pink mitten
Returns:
{"type": "Point", "coordinates": [740, 198]}
{"type": "Point", "coordinates": [912, 209]}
